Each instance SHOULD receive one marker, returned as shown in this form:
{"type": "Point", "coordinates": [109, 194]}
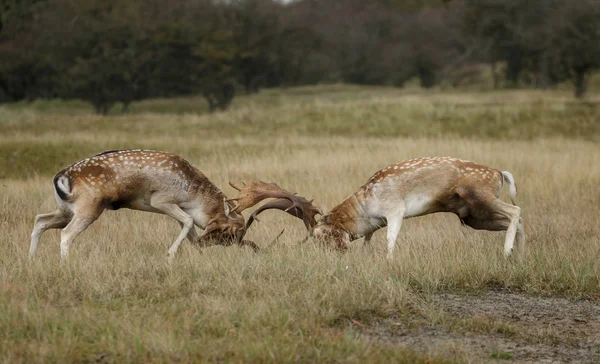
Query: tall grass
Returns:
{"type": "Point", "coordinates": [117, 300]}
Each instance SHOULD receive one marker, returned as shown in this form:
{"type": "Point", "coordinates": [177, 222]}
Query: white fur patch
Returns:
{"type": "Point", "coordinates": [416, 204]}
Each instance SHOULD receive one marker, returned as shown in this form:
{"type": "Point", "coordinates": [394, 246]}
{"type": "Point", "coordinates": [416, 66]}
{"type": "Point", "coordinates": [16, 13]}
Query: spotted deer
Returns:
{"type": "Point", "coordinates": [415, 187]}
{"type": "Point", "coordinates": [150, 181]}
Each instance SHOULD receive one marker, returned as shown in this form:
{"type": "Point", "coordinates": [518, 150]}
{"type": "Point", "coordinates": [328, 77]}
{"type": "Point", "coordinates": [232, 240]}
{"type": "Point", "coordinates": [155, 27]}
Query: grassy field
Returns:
{"type": "Point", "coordinates": [117, 299]}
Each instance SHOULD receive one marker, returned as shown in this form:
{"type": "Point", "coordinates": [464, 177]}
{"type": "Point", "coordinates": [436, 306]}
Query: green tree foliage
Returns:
{"type": "Point", "coordinates": [572, 46]}
{"type": "Point", "coordinates": [24, 73]}
{"type": "Point", "coordinates": [554, 40]}
{"type": "Point", "coordinates": [114, 51]}
{"type": "Point", "coordinates": [256, 29]}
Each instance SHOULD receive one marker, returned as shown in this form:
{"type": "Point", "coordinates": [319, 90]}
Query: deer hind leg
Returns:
{"type": "Point", "coordinates": [496, 215]}
{"type": "Point", "coordinates": [82, 219]}
{"type": "Point", "coordinates": [184, 219]}
{"type": "Point", "coordinates": [394, 223]}
{"type": "Point", "coordinates": [520, 237]}
{"type": "Point", "coordinates": [55, 220]}
{"type": "Point", "coordinates": [515, 228]}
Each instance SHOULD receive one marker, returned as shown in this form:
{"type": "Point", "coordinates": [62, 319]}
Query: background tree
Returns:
{"type": "Point", "coordinates": [24, 72]}
{"type": "Point", "coordinates": [572, 43]}
{"type": "Point", "coordinates": [110, 51]}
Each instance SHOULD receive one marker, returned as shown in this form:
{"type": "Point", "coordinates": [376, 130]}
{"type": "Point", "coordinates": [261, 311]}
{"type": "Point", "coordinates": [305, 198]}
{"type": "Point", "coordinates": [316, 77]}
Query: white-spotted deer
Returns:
{"type": "Point", "coordinates": [413, 188]}
{"type": "Point", "coordinates": [151, 181]}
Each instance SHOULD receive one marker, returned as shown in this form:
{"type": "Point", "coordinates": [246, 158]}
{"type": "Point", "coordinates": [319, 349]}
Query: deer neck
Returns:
{"type": "Point", "coordinates": [209, 196]}
{"type": "Point", "coordinates": [347, 215]}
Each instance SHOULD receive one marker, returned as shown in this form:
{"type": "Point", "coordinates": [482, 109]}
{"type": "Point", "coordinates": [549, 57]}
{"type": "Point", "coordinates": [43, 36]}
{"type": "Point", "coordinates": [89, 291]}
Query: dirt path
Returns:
{"type": "Point", "coordinates": [498, 327]}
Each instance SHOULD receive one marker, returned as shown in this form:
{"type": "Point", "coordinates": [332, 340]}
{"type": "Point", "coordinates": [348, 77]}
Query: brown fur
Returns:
{"type": "Point", "coordinates": [419, 187]}
{"type": "Point", "coordinates": [144, 180]}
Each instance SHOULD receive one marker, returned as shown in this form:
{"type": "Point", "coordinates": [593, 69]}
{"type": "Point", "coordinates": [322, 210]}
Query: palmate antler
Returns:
{"type": "Point", "coordinates": [291, 203]}
{"type": "Point", "coordinates": [306, 212]}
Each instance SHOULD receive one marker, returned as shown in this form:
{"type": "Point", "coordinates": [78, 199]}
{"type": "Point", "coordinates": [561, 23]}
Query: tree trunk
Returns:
{"type": "Point", "coordinates": [253, 86]}
{"type": "Point", "coordinates": [580, 82]}
{"type": "Point", "coordinates": [102, 107]}
{"type": "Point", "coordinates": [212, 105]}
{"type": "Point", "coordinates": [546, 80]}
{"type": "Point", "coordinates": [495, 77]}
{"type": "Point", "coordinates": [513, 67]}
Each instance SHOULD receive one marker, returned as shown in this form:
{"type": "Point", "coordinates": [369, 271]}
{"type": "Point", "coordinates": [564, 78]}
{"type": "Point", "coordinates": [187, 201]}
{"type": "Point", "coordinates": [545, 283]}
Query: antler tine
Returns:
{"type": "Point", "coordinates": [236, 187]}
{"type": "Point", "coordinates": [255, 192]}
{"type": "Point", "coordinates": [287, 201]}
{"type": "Point", "coordinates": [279, 204]}
{"type": "Point", "coordinates": [302, 209]}
{"type": "Point", "coordinates": [317, 209]}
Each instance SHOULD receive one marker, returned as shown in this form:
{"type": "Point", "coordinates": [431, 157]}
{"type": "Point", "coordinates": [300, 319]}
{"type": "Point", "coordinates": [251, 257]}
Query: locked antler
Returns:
{"type": "Point", "coordinates": [289, 202]}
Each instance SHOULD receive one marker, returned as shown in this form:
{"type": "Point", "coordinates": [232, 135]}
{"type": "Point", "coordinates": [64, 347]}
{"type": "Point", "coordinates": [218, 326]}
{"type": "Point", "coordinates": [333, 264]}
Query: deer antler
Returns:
{"type": "Point", "coordinates": [291, 203]}
{"type": "Point", "coordinates": [306, 212]}
{"type": "Point", "coordinates": [255, 192]}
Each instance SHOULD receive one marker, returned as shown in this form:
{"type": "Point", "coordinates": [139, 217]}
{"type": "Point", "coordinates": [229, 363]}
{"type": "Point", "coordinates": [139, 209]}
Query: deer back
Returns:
{"type": "Point", "coordinates": [427, 185]}
{"type": "Point", "coordinates": [128, 178]}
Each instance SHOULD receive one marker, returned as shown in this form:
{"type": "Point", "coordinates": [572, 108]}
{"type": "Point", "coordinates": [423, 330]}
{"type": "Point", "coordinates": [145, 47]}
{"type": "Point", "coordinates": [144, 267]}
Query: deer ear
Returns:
{"type": "Point", "coordinates": [227, 207]}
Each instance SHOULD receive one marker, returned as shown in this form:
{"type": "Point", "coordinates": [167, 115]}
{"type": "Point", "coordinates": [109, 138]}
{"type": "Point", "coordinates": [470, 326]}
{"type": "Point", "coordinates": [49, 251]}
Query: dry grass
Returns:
{"type": "Point", "coordinates": [117, 299]}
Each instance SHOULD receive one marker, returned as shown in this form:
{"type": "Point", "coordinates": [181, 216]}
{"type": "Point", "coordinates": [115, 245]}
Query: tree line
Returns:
{"type": "Point", "coordinates": [112, 51]}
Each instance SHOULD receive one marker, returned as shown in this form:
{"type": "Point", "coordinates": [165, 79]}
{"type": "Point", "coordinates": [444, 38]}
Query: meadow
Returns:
{"type": "Point", "coordinates": [448, 295]}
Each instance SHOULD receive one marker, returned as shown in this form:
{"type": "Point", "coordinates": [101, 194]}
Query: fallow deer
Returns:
{"type": "Point", "coordinates": [150, 181]}
{"type": "Point", "coordinates": [415, 187]}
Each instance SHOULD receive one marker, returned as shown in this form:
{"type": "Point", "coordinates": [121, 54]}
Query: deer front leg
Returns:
{"type": "Point", "coordinates": [394, 223]}
{"type": "Point", "coordinates": [192, 235]}
{"type": "Point", "coordinates": [184, 219]}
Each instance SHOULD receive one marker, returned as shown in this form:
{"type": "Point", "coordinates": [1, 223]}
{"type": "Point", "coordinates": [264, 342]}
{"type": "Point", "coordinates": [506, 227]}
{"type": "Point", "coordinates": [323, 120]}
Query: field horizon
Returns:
{"type": "Point", "coordinates": [448, 295]}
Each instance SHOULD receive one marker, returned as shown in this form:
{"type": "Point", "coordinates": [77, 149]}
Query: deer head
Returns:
{"type": "Point", "coordinates": [226, 229]}
{"type": "Point", "coordinates": [324, 230]}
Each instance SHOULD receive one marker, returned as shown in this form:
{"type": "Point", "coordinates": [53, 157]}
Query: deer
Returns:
{"type": "Point", "coordinates": [411, 188]}
{"type": "Point", "coordinates": [151, 181]}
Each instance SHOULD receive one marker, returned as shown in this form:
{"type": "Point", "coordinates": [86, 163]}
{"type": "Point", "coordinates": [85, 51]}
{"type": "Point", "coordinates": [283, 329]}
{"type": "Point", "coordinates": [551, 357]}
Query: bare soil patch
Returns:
{"type": "Point", "coordinates": [499, 327]}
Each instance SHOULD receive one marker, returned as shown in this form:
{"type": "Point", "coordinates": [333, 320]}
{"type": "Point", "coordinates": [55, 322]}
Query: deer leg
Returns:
{"type": "Point", "coordinates": [497, 215]}
{"type": "Point", "coordinates": [394, 223]}
{"type": "Point", "coordinates": [514, 215]}
{"type": "Point", "coordinates": [54, 220]}
{"type": "Point", "coordinates": [520, 237]}
{"type": "Point", "coordinates": [507, 214]}
{"type": "Point", "coordinates": [78, 224]}
{"type": "Point", "coordinates": [184, 219]}
{"type": "Point", "coordinates": [192, 235]}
